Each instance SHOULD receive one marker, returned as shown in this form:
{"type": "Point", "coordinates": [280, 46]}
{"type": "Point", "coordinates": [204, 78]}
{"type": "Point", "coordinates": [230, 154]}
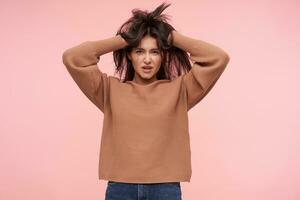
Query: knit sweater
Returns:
{"type": "Point", "coordinates": [145, 135]}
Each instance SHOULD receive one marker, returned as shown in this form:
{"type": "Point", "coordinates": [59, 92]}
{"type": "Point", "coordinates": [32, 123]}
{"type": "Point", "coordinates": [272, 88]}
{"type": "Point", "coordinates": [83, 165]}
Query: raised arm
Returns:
{"type": "Point", "coordinates": [209, 63]}
{"type": "Point", "coordinates": [81, 62]}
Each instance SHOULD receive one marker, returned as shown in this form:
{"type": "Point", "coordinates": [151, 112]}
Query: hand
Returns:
{"type": "Point", "coordinates": [169, 37]}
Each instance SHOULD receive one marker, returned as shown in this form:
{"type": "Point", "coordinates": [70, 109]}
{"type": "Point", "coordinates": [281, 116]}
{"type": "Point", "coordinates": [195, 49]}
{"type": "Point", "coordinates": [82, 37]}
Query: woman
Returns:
{"type": "Point", "coordinates": [145, 147]}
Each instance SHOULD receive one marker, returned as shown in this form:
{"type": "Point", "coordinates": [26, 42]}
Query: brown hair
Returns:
{"type": "Point", "coordinates": [174, 62]}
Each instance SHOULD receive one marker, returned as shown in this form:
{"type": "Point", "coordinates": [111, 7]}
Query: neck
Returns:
{"type": "Point", "coordinates": [144, 81]}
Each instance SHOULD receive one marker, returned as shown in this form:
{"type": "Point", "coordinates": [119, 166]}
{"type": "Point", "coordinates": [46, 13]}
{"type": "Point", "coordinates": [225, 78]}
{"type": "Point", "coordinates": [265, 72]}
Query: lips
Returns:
{"type": "Point", "coordinates": [147, 67]}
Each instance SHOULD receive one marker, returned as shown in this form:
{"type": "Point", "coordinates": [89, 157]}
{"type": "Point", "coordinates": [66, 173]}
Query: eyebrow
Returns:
{"type": "Point", "coordinates": [139, 48]}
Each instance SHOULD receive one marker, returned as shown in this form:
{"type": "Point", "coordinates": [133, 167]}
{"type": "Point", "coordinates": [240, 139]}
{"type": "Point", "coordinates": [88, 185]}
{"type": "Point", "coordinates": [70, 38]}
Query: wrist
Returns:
{"type": "Point", "coordinates": [123, 41]}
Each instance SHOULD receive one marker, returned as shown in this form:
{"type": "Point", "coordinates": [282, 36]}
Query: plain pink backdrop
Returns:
{"type": "Point", "coordinates": [244, 133]}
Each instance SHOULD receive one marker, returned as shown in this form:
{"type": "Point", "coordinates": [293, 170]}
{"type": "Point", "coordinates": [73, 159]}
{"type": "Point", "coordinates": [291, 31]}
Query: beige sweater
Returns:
{"type": "Point", "coordinates": [145, 135]}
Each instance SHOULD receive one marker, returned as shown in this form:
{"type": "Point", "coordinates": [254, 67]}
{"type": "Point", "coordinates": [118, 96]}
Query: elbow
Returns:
{"type": "Point", "coordinates": [224, 58]}
{"type": "Point", "coordinates": [65, 53]}
{"type": "Point", "coordinates": [227, 56]}
{"type": "Point", "coordinates": [69, 54]}
{"type": "Point", "coordinates": [66, 57]}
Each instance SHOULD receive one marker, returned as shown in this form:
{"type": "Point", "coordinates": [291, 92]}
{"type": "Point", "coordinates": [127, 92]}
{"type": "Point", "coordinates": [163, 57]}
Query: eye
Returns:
{"type": "Point", "coordinates": [138, 51]}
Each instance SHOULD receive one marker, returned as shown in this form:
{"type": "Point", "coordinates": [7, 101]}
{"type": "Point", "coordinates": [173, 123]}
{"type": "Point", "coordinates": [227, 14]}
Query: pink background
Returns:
{"type": "Point", "coordinates": [244, 134]}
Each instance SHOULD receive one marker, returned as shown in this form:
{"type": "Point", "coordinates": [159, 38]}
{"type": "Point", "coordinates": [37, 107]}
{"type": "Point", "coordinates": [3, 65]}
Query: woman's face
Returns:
{"type": "Point", "coordinates": [146, 60]}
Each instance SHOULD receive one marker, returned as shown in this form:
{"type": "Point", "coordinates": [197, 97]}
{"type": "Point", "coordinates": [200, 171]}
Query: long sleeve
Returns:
{"type": "Point", "coordinates": [81, 62]}
{"type": "Point", "coordinates": [209, 63]}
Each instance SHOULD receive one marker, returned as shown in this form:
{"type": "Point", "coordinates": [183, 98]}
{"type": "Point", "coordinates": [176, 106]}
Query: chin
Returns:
{"type": "Point", "coordinates": [147, 78]}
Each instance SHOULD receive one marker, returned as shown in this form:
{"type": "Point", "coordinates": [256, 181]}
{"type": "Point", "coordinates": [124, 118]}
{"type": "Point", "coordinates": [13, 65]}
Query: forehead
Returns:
{"type": "Point", "coordinates": [148, 43]}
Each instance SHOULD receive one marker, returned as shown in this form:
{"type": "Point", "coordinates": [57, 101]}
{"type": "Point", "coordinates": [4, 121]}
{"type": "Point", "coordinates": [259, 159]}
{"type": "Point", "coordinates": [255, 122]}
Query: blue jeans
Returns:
{"type": "Point", "coordinates": [145, 191]}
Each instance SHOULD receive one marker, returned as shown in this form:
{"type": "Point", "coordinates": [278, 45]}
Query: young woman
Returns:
{"type": "Point", "coordinates": [145, 148]}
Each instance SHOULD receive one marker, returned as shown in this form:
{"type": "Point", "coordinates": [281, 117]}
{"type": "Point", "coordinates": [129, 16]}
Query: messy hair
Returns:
{"type": "Point", "coordinates": [175, 61]}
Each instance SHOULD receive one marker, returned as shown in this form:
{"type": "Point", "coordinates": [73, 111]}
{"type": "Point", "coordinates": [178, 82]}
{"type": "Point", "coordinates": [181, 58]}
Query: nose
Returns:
{"type": "Point", "coordinates": [147, 58]}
